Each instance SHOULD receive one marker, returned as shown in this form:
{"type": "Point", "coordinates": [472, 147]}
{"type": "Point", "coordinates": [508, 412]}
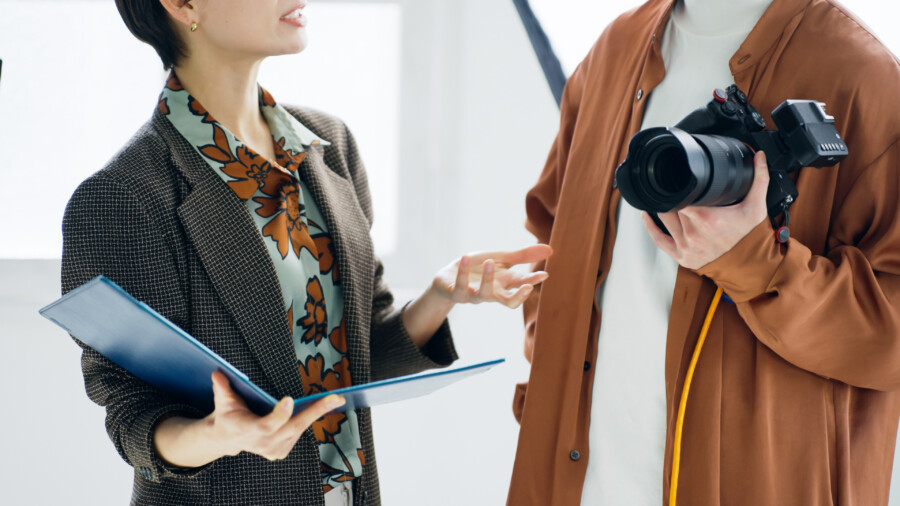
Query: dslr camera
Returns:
{"type": "Point", "coordinates": [707, 158]}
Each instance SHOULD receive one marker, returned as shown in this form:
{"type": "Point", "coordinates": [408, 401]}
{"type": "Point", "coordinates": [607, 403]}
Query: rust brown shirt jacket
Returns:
{"type": "Point", "coordinates": [795, 399]}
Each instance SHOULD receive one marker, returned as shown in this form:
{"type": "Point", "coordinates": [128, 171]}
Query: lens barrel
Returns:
{"type": "Point", "coordinates": [668, 169]}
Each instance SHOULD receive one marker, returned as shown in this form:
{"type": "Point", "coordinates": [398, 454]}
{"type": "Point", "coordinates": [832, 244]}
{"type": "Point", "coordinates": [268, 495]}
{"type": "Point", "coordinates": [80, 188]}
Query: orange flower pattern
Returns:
{"type": "Point", "coordinates": [302, 251]}
{"type": "Point", "coordinates": [316, 320]}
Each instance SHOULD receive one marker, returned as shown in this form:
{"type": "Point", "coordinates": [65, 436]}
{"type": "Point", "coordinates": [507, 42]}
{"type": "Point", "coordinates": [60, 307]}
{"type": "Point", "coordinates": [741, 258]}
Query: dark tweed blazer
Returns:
{"type": "Point", "coordinates": [159, 222]}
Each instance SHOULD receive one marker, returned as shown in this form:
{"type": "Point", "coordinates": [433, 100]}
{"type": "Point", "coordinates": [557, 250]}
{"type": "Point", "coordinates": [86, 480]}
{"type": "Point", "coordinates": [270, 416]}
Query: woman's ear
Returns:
{"type": "Point", "coordinates": [182, 11]}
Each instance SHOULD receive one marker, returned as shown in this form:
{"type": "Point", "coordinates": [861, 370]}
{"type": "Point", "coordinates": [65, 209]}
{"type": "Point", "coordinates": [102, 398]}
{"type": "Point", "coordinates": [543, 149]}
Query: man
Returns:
{"type": "Point", "coordinates": [794, 397]}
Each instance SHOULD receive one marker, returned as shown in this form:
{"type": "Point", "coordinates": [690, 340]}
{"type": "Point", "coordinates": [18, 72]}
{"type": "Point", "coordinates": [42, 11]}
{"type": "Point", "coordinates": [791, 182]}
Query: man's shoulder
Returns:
{"type": "Point", "coordinates": [839, 37]}
{"type": "Point", "coordinates": [622, 43]}
{"type": "Point", "coordinates": [643, 16]}
{"type": "Point", "coordinates": [837, 59]}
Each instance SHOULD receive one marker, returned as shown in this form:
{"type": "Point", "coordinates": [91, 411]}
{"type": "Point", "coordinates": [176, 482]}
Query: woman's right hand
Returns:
{"type": "Point", "coordinates": [232, 428]}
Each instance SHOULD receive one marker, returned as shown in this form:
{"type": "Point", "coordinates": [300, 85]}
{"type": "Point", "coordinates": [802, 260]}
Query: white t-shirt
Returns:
{"type": "Point", "coordinates": [628, 406]}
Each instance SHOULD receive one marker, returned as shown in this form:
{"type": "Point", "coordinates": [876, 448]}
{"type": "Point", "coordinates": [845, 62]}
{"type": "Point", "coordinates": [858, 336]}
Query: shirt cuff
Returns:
{"type": "Point", "coordinates": [745, 271]}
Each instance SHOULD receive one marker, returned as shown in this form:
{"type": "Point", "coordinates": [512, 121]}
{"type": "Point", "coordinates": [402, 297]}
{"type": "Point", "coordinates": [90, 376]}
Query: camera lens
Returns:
{"type": "Point", "coordinates": [668, 169]}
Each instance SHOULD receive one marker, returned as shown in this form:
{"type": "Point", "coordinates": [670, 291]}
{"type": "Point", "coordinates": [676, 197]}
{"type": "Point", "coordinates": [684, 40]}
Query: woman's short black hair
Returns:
{"type": "Point", "coordinates": [149, 22]}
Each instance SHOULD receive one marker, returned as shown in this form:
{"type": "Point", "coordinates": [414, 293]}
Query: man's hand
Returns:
{"type": "Point", "coordinates": [703, 234]}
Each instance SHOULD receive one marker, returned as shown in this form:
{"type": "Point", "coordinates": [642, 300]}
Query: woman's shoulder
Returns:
{"type": "Point", "coordinates": [325, 125]}
{"type": "Point", "coordinates": [141, 170]}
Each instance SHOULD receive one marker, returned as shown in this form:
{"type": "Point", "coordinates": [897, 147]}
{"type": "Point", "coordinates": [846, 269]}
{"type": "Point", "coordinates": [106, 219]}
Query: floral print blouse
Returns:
{"type": "Point", "coordinates": [295, 234]}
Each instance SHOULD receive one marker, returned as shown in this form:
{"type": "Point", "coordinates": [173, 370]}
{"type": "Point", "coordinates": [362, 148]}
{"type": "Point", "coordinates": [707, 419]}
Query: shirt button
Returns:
{"type": "Point", "coordinates": [640, 94]}
{"type": "Point", "coordinates": [587, 366]}
{"type": "Point", "coordinates": [574, 455]}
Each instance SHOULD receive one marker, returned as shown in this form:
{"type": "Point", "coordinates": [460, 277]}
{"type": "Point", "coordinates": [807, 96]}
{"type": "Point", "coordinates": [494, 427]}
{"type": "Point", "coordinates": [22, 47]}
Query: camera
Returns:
{"type": "Point", "coordinates": [707, 158]}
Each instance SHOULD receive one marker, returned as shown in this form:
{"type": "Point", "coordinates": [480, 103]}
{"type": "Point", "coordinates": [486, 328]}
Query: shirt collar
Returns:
{"type": "Point", "coordinates": [780, 17]}
{"type": "Point", "coordinates": [284, 124]}
{"type": "Point", "coordinates": [195, 123]}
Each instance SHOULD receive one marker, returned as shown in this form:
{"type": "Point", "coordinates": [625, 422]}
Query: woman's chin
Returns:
{"type": "Point", "coordinates": [298, 44]}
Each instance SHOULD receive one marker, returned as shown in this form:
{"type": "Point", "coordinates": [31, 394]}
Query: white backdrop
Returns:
{"type": "Point", "coordinates": [457, 133]}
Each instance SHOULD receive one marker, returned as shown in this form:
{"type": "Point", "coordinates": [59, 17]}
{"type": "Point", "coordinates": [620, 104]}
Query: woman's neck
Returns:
{"type": "Point", "coordinates": [718, 17]}
{"type": "Point", "coordinates": [228, 90]}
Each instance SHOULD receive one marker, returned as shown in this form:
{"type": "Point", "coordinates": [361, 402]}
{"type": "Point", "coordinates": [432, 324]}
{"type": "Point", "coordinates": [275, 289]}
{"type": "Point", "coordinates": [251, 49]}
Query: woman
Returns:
{"type": "Point", "coordinates": [246, 223]}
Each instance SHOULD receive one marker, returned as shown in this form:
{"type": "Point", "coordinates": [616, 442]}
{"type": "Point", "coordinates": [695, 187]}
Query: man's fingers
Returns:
{"type": "Point", "coordinates": [760, 185]}
{"type": "Point", "coordinates": [661, 240]}
{"type": "Point", "coordinates": [689, 219]}
{"type": "Point", "coordinates": [673, 225]}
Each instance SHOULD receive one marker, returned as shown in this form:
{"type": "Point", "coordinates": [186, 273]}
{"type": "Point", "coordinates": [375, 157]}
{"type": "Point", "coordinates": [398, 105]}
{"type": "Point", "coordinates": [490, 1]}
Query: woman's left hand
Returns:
{"type": "Point", "coordinates": [488, 277]}
{"type": "Point", "coordinates": [472, 279]}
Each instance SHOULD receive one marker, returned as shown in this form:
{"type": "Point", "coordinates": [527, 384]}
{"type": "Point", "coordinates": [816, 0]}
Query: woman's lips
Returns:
{"type": "Point", "coordinates": [296, 17]}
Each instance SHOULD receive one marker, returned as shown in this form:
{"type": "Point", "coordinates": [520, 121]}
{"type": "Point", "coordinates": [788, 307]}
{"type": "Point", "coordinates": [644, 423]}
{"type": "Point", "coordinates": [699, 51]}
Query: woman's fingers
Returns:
{"type": "Point", "coordinates": [314, 411]}
{"type": "Point", "coordinates": [283, 441]}
{"type": "Point", "coordinates": [486, 277]}
{"type": "Point", "coordinates": [486, 290]}
{"type": "Point", "coordinates": [512, 280]}
{"type": "Point", "coordinates": [527, 255]}
{"type": "Point", "coordinates": [518, 297]}
{"type": "Point", "coordinates": [279, 416]}
{"type": "Point", "coordinates": [223, 396]}
{"type": "Point", "coordinates": [461, 286]}
{"type": "Point", "coordinates": [271, 436]}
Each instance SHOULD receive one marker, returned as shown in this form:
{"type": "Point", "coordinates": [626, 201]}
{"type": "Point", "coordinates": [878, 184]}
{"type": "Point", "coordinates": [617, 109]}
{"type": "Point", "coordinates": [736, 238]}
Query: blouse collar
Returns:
{"type": "Point", "coordinates": [199, 127]}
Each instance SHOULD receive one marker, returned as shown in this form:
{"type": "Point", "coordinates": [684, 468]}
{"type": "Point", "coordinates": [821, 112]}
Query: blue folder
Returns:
{"type": "Point", "coordinates": [133, 335]}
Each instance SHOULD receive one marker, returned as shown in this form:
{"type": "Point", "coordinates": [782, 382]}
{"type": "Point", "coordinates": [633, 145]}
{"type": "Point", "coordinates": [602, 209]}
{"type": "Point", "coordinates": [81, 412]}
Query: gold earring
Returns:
{"type": "Point", "coordinates": [193, 27]}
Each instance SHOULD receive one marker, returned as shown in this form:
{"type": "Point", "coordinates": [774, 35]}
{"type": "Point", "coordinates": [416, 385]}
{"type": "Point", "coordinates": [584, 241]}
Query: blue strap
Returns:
{"type": "Point", "coordinates": [553, 70]}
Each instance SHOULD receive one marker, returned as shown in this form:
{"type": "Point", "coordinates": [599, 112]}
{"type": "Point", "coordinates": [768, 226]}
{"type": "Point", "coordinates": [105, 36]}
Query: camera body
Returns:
{"type": "Point", "coordinates": [707, 158]}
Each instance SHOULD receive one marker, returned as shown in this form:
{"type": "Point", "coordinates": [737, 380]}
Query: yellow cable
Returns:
{"type": "Point", "coordinates": [679, 422]}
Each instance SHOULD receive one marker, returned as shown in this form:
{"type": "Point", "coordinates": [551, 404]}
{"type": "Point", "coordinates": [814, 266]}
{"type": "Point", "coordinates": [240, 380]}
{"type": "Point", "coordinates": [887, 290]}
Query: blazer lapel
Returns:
{"type": "Point", "coordinates": [348, 227]}
{"type": "Point", "coordinates": [233, 254]}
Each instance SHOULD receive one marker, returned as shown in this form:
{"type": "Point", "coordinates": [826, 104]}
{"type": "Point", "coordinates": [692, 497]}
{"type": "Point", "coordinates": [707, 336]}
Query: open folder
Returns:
{"type": "Point", "coordinates": [133, 335]}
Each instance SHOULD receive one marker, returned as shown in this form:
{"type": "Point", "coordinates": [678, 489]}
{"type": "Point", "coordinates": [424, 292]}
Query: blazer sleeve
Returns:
{"type": "Point", "coordinates": [391, 349]}
{"type": "Point", "coordinates": [836, 315]}
{"type": "Point", "coordinates": [106, 231]}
